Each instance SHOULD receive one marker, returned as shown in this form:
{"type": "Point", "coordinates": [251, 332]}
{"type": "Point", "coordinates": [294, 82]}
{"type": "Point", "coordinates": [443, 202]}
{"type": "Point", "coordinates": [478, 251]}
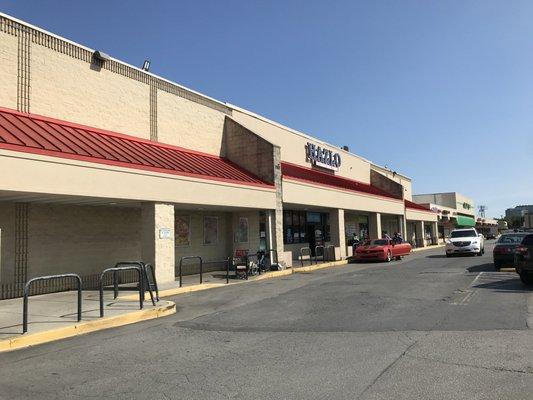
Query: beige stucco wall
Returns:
{"type": "Point", "coordinates": [40, 174]}
{"type": "Point", "coordinates": [402, 180]}
{"type": "Point", "coordinates": [293, 147]}
{"type": "Point", "coordinates": [317, 196]}
{"type": "Point", "coordinates": [66, 88]}
{"type": "Point", "coordinates": [81, 239]}
{"type": "Point", "coordinates": [8, 70]}
{"type": "Point", "coordinates": [414, 215]}
{"type": "Point", "coordinates": [188, 124]}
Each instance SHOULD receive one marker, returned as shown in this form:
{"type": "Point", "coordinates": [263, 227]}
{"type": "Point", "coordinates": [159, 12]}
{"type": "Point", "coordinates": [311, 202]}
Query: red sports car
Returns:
{"type": "Point", "coordinates": [382, 250]}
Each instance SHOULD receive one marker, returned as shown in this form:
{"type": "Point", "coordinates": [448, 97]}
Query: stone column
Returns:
{"type": "Point", "coordinates": [435, 231]}
{"type": "Point", "coordinates": [403, 226]}
{"type": "Point", "coordinates": [374, 226]}
{"type": "Point", "coordinates": [158, 246]}
{"type": "Point", "coordinates": [338, 233]}
{"type": "Point", "coordinates": [420, 234]}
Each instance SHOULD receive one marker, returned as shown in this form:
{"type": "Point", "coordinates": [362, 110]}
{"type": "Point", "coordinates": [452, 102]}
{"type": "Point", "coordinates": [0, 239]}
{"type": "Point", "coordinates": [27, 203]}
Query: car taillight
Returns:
{"type": "Point", "coordinates": [521, 249]}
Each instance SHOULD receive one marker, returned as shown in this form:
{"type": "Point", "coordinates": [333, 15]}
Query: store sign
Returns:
{"type": "Point", "coordinates": [323, 158]}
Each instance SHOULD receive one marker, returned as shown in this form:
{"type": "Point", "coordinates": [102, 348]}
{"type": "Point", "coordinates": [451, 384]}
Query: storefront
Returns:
{"type": "Point", "coordinates": [109, 162]}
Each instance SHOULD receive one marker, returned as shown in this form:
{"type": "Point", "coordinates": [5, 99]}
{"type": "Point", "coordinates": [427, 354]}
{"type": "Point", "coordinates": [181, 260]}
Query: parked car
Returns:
{"type": "Point", "coordinates": [523, 259]}
{"type": "Point", "coordinates": [503, 253]}
{"type": "Point", "coordinates": [465, 241]}
{"type": "Point", "coordinates": [382, 250]}
{"type": "Point", "coordinates": [490, 236]}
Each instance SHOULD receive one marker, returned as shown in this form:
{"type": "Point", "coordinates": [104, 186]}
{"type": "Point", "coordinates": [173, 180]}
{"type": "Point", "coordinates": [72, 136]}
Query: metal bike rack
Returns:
{"type": "Point", "coordinates": [228, 261]}
{"type": "Point", "coordinates": [45, 278]}
{"type": "Point", "coordinates": [117, 269]}
{"type": "Point", "coordinates": [190, 258]}
{"type": "Point", "coordinates": [318, 247]}
{"type": "Point", "coordinates": [146, 279]}
{"type": "Point", "coordinates": [332, 249]}
{"type": "Point", "coordinates": [306, 250]}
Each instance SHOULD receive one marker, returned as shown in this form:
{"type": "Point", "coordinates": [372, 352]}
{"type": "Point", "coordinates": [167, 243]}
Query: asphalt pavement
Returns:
{"type": "Point", "coordinates": [426, 327]}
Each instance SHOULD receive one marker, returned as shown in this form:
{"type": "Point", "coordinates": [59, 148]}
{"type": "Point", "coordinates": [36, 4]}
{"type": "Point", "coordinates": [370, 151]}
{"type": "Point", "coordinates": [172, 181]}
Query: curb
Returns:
{"type": "Point", "coordinates": [81, 328]}
{"type": "Point", "coordinates": [311, 268]}
{"type": "Point", "coordinates": [438, 246]}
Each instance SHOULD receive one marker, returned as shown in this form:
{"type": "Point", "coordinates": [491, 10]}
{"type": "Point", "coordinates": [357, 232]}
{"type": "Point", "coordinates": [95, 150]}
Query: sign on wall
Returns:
{"type": "Point", "coordinates": [182, 226]}
{"type": "Point", "coordinates": [323, 158]}
{"type": "Point", "coordinates": [241, 233]}
{"type": "Point", "coordinates": [210, 230]}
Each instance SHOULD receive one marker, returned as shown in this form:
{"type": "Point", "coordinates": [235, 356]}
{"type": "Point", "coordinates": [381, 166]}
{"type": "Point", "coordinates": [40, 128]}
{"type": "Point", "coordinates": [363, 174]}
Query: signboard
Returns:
{"type": "Point", "coordinates": [164, 233]}
{"type": "Point", "coordinates": [323, 158]}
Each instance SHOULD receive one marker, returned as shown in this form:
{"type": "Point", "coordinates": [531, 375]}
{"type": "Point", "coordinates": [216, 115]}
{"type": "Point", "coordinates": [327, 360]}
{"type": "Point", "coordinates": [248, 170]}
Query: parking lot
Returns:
{"type": "Point", "coordinates": [424, 327]}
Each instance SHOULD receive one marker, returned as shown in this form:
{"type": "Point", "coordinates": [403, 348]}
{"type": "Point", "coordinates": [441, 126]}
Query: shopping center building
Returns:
{"type": "Point", "coordinates": [104, 162]}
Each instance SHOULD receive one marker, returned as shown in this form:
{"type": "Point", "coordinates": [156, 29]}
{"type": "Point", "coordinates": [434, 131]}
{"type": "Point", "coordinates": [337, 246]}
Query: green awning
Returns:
{"type": "Point", "coordinates": [465, 221]}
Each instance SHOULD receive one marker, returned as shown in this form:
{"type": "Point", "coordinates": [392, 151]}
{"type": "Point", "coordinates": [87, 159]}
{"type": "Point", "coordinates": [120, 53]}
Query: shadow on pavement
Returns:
{"type": "Point", "coordinates": [437, 256]}
{"type": "Point", "coordinates": [488, 267]}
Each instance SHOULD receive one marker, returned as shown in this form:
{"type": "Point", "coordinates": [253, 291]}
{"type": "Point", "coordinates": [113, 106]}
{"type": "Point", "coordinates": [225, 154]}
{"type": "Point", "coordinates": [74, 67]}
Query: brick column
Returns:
{"type": "Point", "coordinates": [337, 233]}
{"type": "Point", "coordinates": [374, 226]}
{"type": "Point", "coordinates": [158, 246]}
{"type": "Point", "coordinates": [420, 234]}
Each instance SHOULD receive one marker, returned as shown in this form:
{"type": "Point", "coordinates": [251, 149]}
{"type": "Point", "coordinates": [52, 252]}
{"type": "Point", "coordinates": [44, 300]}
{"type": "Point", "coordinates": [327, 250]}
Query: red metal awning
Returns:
{"type": "Point", "coordinates": [415, 206]}
{"type": "Point", "coordinates": [296, 172]}
{"type": "Point", "coordinates": [46, 136]}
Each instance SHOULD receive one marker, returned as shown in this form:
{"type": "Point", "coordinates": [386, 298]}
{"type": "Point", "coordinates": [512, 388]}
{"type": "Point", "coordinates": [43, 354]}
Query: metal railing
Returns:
{"type": "Point", "coordinates": [309, 254]}
{"type": "Point", "coordinates": [146, 284]}
{"type": "Point", "coordinates": [331, 249]}
{"type": "Point", "coordinates": [181, 266]}
{"type": "Point", "coordinates": [130, 267]}
{"type": "Point", "coordinates": [45, 278]}
{"type": "Point", "coordinates": [322, 251]}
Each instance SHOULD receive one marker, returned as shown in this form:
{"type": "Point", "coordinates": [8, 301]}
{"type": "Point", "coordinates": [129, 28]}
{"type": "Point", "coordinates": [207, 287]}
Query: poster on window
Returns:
{"type": "Point", "coordinates": [241, 233]}
{"type": "Point", "coordinates": [210, 230]}
{"type": "Point", "coordinates": [182, 228]}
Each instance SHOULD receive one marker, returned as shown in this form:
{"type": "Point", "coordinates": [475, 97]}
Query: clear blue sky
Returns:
{"type": "Point", "coordinates": [439, 90]}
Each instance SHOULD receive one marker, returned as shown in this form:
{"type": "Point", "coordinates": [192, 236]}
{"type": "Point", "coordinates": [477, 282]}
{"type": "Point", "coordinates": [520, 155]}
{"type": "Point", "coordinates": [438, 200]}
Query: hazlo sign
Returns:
{"type": "Point", "coordinates": [323, 157]}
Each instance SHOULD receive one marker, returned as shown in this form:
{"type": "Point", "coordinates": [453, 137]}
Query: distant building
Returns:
{"type": "Point", "coordinates": [519, 211]}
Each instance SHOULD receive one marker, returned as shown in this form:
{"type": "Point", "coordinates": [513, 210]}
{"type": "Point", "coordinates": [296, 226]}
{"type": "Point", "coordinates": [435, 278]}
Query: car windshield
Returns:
{"type": "Point", "coordinates": [378, 242]}
{"type": "Point", "coordinates": [510, 239]}
{"type": "Point", "coordinates": [460, 234]}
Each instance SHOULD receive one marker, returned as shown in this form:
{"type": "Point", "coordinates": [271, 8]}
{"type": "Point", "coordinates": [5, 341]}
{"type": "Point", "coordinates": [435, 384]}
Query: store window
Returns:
{"type": "Point", "coordinates": [298, 225]}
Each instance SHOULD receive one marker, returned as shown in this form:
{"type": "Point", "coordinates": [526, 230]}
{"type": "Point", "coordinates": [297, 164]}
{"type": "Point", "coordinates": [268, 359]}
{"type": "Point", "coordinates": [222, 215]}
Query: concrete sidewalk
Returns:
{"type": "Point", "coordinates": [54, 316]}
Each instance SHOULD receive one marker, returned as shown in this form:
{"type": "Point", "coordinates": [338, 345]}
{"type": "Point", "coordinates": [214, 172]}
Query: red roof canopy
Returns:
{"type": "Point", "coordinates": [415, 206]}
{"type": "Point", "coordinates": [297, 172]}
{"type": "Point", "coordinates": [41, 135]}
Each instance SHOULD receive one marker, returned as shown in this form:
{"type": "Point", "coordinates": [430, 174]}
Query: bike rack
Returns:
{"type": "Point", "coordinates": [228, 261]}
{"type": "Point", "coordinates": [306, 250]}
{"type": "Point", "coordinates": [131, 267]}
{"type": "Point", "coordinates": [146, 279]}
{"type": "Point", "coordinates": [44, 278]}
{"type": "Point", "coordinates": [323, 253]}
{"type": "Point", "coordinates": [328, 248]}
{"type": "Point", "coordinates": [190, 258]}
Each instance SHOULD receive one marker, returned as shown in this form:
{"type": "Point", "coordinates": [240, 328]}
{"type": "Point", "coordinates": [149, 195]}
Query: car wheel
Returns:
{"type": "Point", "coordinates": [526, 278]}
{"type": "Point", "coordinates": [497, 266]}
{"type": "Point", "coordinates": [448, 255]}
{"type": "Point", "coordinates": [398, 258]}
{"type": "Point", "coordinates": [389, 257]}
{"type": "Point", "coordinates": [480, 253]}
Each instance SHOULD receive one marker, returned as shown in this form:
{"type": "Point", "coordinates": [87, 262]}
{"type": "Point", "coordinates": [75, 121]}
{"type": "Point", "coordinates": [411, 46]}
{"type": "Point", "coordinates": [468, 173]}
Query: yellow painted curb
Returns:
{"type": "Point", "coordinates": [274, 274]}
{"type": "Point", "coordinates": [311, 268]}
{"type": "Point", "coordinates": [508, 269]}
{"type": "Point", "coordinates": [81, 328]}
{"type": "Point", "coordinates": [438, 246]}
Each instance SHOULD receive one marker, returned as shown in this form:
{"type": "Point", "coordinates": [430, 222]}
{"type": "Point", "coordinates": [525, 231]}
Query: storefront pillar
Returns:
{"type": "Point", "coordinates": [403, 226]}
{"type": "Point", "coordinates": [337, 233]}
{"type": "Point", "coordinates": [157, 239]}
{"type": "Point", "coordinates": [374, 226]}
{"type": "Point", "coordinates": [435, 232]}
{"type": "Point", "coordinates": [420, 234]}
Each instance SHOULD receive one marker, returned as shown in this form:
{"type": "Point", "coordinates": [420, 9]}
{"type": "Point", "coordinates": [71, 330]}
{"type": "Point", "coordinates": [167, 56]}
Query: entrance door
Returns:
{"type": "Point", "coordinates": [310, 232]}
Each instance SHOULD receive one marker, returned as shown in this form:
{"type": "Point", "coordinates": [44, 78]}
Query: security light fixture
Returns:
{"type": "Point", "coordinates": [101, 56]}
{"type": "Point", "coordinates": [146, 65]}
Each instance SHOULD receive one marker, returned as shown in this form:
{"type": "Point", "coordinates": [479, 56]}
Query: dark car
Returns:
{"type": "Point", "coordinates": [523, 259]}
{"type": "Point", "coordinates": [490, 235]}
{"type": "Point", "coordinates": [503, 253]}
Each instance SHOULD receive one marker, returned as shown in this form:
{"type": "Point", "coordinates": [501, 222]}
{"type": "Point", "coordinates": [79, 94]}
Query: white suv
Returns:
{"type": "Point", "coordinates": [465, 241]}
